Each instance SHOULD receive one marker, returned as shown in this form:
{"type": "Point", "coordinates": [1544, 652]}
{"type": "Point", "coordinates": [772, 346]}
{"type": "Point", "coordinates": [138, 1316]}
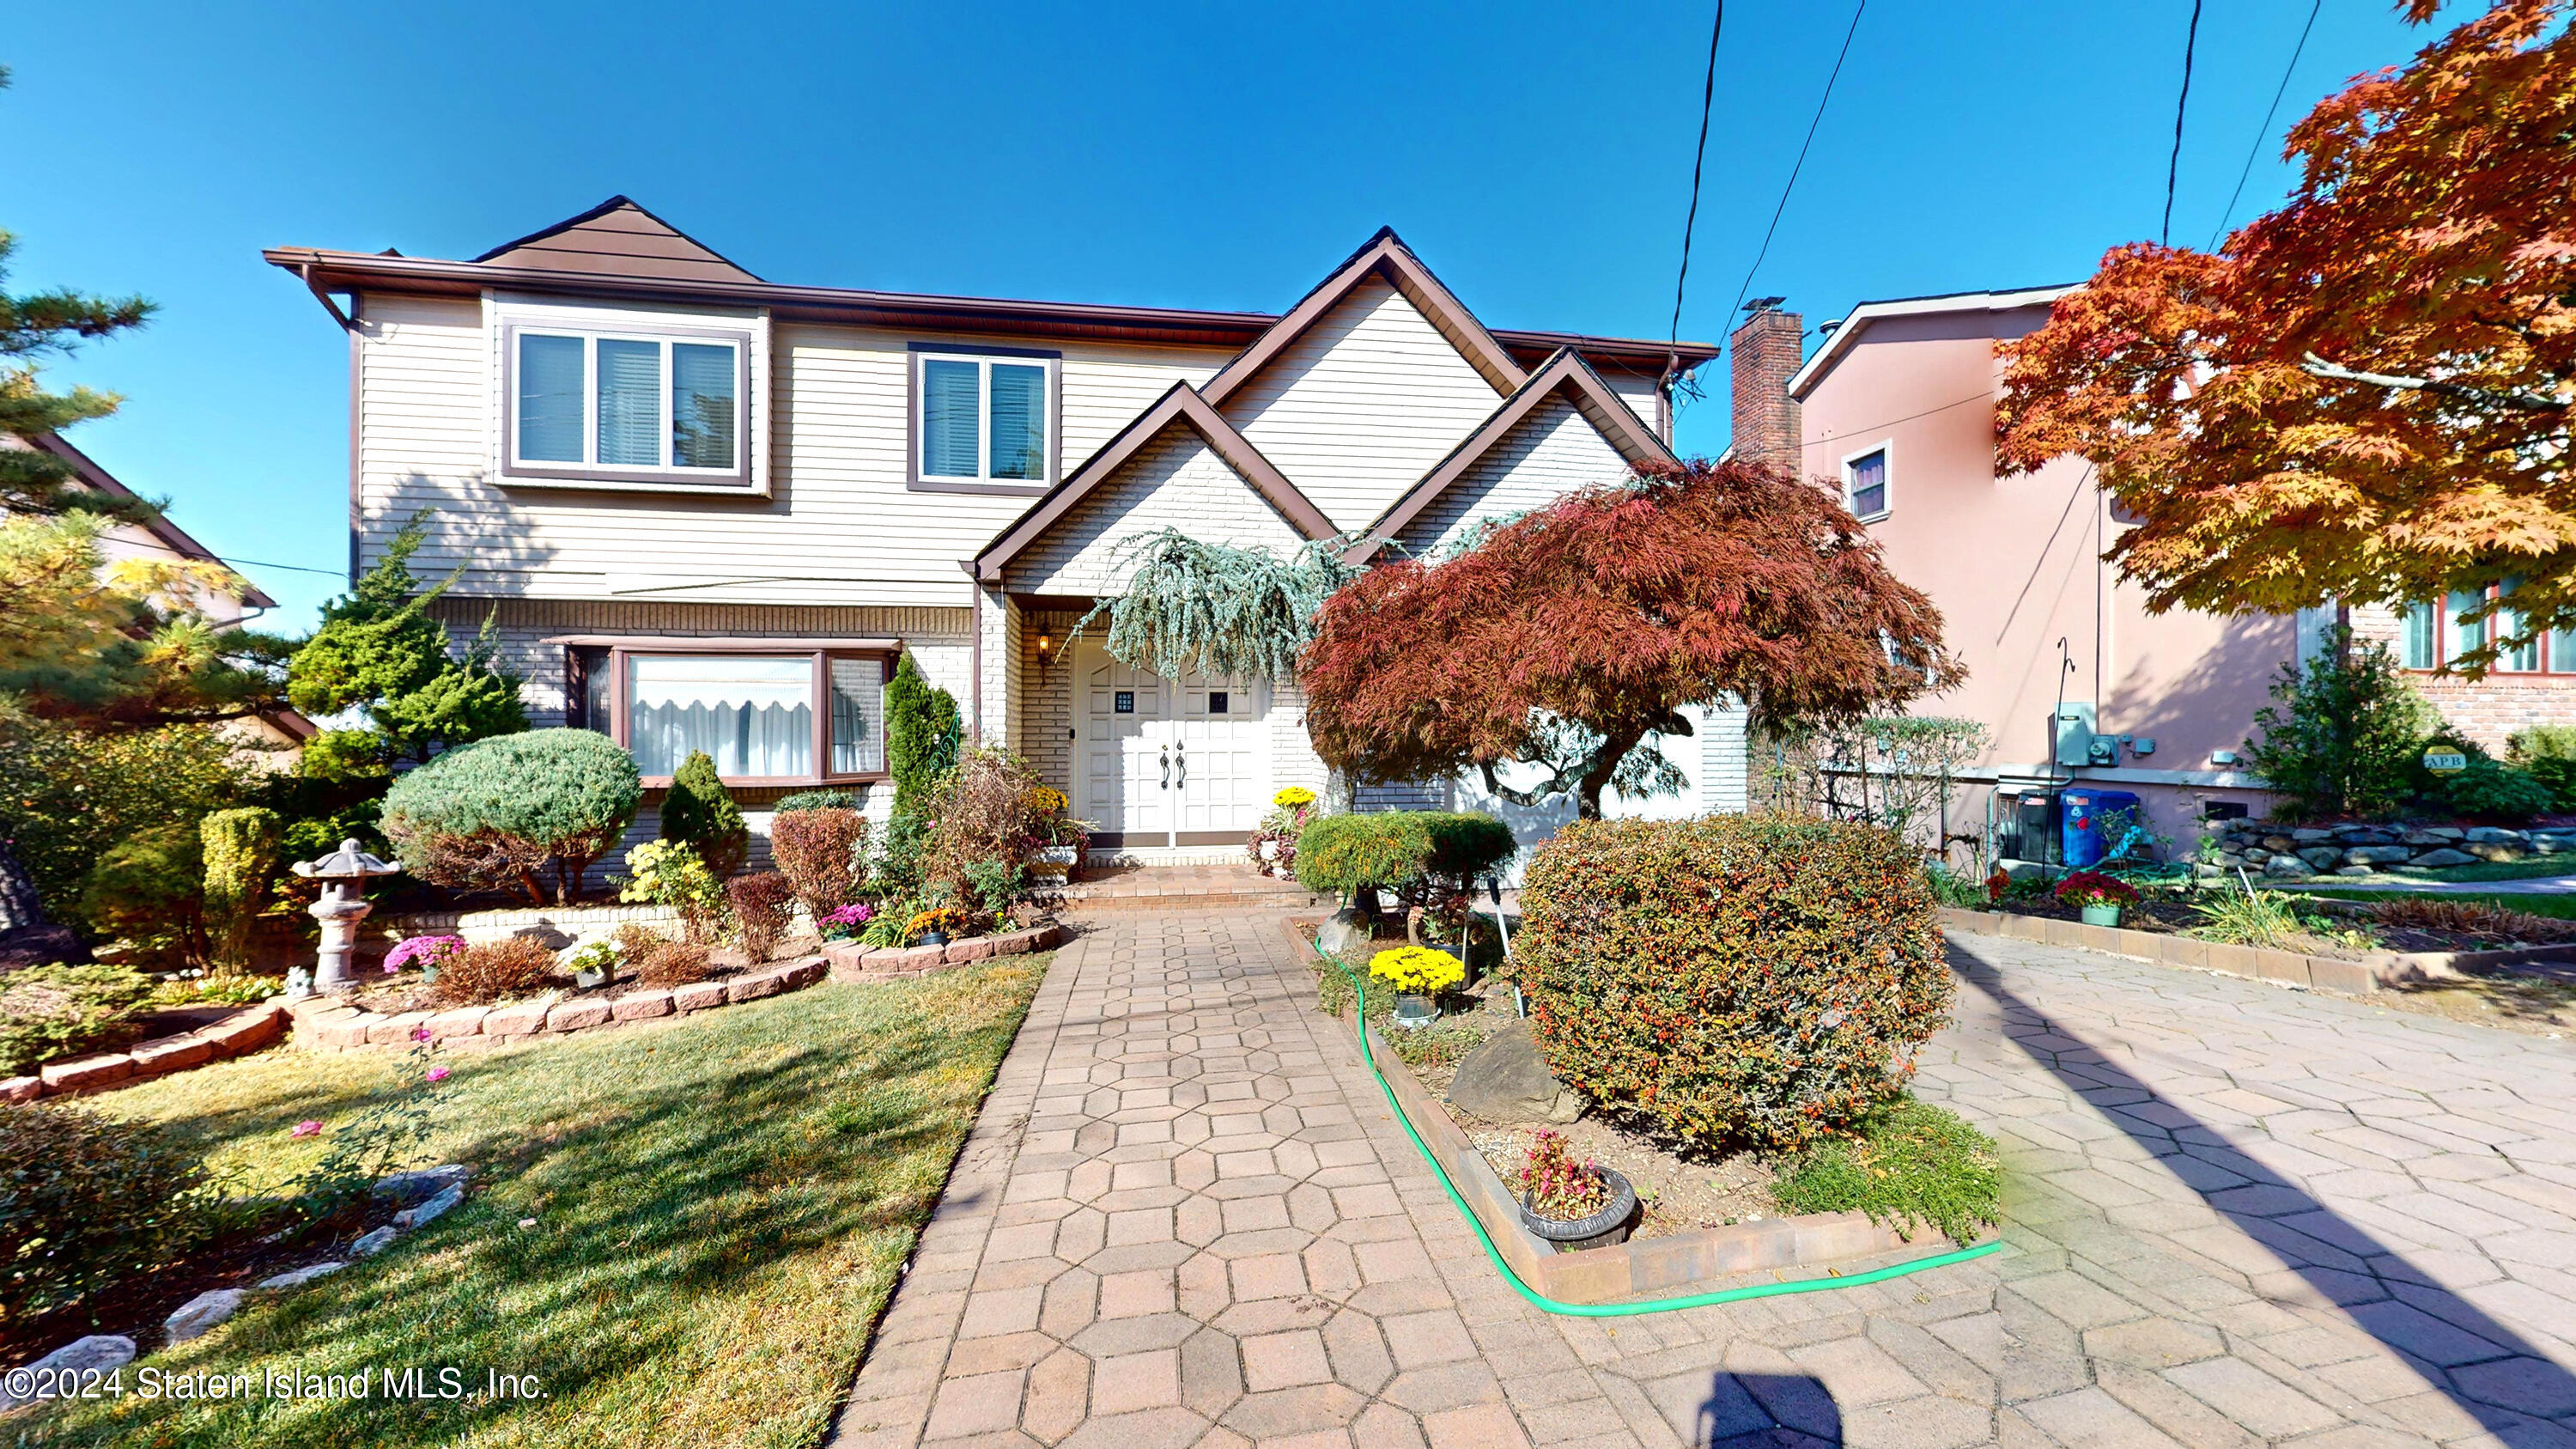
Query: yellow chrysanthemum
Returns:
{"type": "Point", "coordinates": [1293, 796]}
{"type": "Point", "coordinates": [1417, 970]}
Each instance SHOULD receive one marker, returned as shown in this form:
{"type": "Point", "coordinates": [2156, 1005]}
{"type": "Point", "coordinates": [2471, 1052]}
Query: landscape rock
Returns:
{"type": "Point", "coordinates": [2311, 837]}
{"type": "Point", "coordinates": [2285, 865]}
{"type": "Point", "coordinates": [373, 1243]}
{"type": "Point", "coordinates": [100, 1352]}
{"type": "Point", "coordinates": [1506, 1080]}
{"type": "Point", "coordinates": [698, 995]}
{"type": "Point", "coordinates": [1347, 930]}
{"type": "Point", "coordinates": [402, 1189]}
{"type": "Point", "coordinates": [428, 1212]}
{"type": "Point", "coordinates": [642, 1004]}
{"type": "Point", "coordinates": [2491, 835]}
{"type": "Point", "coordinates": [576, 1015]}
{"type": "Point", "coordinates": [22, 1089]}
{"type": "Point", "coordinates": [201, 1313]}
{"type": "Point", "coordinates": [2494, 850]}
{"type": "Point", "coordinates": [2378, 855]}
{"type": "Point", "coordinates": [83, 1072]}
{"type": "Point", "coordinates": [2322, 857]}
{"type": "Point", "coordinates": [2354, 870]}
{"type": "Point", "coordinates": [297, 1278]}
{"type": "Point", "coordinates": [2438, 859]}
{"type": "Point", "coordinates": [2446, 832]}
{"type": "Point", "coordinates": [2279, 843]}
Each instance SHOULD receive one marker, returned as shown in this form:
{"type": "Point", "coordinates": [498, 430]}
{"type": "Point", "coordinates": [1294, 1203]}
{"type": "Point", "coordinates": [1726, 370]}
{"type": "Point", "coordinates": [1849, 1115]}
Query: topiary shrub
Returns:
{"type": "Point", "coordinates": [240, 852]}
{"type": "Point", "coordinates": [762, 904]}
{"type": "Point", "coordinates": [1739, 981]}
{"type": "Point", "coordinates": [148, 891]}
{"type": "Point", "coordinates": [489, 971]}
{"type": "Point", "coordinates": [2548, 752]}
{"type": "Point", "coordinates": [922, 736]}
{"type": "Point", "coordinates": [1411, 852]}
{"type": "Point", "coordinates": [51, 1012]}
{"type": "Point", "coordinates": [87, 1201]}
{"type": "Point", "coordinates": [699, 813]}
{"type": "Point", "coordinates": [501, 811]}
{"type": "Point", "coordinates": [821, 851]}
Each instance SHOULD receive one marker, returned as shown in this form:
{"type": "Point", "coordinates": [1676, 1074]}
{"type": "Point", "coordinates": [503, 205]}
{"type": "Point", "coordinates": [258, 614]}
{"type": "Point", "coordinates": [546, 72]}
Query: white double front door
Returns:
{"type": "Point", "coordinates": [1161, 762]}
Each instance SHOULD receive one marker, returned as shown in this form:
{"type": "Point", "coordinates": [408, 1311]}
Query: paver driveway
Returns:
{"type": "Point", "coordinates": [2238, 1215]}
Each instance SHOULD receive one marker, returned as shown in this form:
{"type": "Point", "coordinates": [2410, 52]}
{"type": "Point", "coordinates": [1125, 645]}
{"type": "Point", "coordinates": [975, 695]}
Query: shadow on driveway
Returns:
{"type": "Point", "coordinates": [1742, 1411]}
{"type": "Point", "coordinates": [2486, 1368]}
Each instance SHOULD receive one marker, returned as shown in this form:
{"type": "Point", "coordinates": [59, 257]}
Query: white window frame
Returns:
{"type": "Point", "coordinates": [917, 440]}
{"type": "Point", "coordinates": [738, 478]}
{"type": "Point", "coordinates": [1887, 507]}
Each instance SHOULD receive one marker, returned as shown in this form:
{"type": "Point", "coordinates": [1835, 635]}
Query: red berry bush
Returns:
{"type": "Point", "coordinates": [1738, 981]}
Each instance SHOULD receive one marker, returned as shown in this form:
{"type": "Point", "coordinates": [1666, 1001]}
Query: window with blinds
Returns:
{"type": "Point", "coordinates": [626, 406]}
{"type": "Point", "coordinates": [1865, 485]}
{"type": "Point", "coordinates": [983, 418]}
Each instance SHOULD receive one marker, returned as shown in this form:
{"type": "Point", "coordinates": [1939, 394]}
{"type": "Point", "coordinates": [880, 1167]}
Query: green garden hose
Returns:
{"type": "Point", "coordinates": [1613, 1310]}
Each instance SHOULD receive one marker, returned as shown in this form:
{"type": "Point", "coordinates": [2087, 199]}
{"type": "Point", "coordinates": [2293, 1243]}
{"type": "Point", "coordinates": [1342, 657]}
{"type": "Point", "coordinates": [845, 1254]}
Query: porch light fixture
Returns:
{"type": "Point", "coordinates": [1046, 648]}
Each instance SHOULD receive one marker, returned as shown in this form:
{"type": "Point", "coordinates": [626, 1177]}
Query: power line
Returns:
{"type": "Point", "coordinates": [1821, 102]}
{"type": "Point", "coordinates": [2266, 129]}
{"type": "Point", "coordinates": [1707, 94]}
{"type": "Point", "coordinates": [2173, 164]}
{"type": "Point", "coordinates": [252, 563]}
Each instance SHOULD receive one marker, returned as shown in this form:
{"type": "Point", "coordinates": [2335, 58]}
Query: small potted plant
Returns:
{"type": "Point", "coordinates": [936, 926]}
{"type": "Point", "coordinates": [1416, 974]}
{"type": "Point", "coordinates": [844, 922]}
{"type": "Point", "coordinates": [1572, 1204]}
{"type": "Point", "coordinates": [2100, 896]}
{"type": "Point", "coordinates": [425, 952]}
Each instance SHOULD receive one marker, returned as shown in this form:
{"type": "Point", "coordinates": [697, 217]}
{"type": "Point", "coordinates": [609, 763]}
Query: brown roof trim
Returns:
{"type": "Point", "coordinates": [1180, 404]}
{"type": "Point", "coordinates": [1385, 256]}
{"type": "Point", "coordinates": [1565, 372]}
{"type": "Point", "coordinates": [612, 204]}
{"type": "Point", "coordinates": [172, 536]}
{"type": "Point", "coordinates": [340, 271]}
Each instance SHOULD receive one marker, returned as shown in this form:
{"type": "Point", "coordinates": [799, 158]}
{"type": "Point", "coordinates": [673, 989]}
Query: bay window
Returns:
{"type": "Point", "coordinates": [661, 408]}
{"type": "Point", "coordinates": [983, 418]}
{"type": "Point", "coordinates": [770, 713]}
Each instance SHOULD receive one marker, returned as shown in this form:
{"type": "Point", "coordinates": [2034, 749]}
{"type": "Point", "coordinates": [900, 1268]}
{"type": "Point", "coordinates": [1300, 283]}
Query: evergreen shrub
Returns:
{"type": "Point", "coordinates": [923, 732]}
{"type": "Point", "coordinates": [1407, 851]}
{"type": "Point", "coordinates": [2344, 735]}
{"type": "Point", "coordinates": [87, 1201]}
{"type": "Point", "coordinates": [51, 1012]}
{"type": "Point", "coordinates": [240, 852]}
{"type": "Point", "coordinates": [699, 812]}
{"type": "Point", "coordinates": [501, 810]}
{"type": "Point", "coordinates": [1739, 981]}
{"type": "Point", "coordinates": [2548, 752]}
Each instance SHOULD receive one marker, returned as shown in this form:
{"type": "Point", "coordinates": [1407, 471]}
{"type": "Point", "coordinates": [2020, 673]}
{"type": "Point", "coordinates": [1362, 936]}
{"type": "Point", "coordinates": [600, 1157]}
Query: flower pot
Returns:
{"type": "Point", "coordinates": [1270, 850]}
{"type": "Point", "coordinates": [593, 978]}
{"type": "Point", "coordinates": [1602, 1229]}
{"type": "Point", "coordinates": [931, 938]}
{"type": "Point", "coordinates": [2101, 915]}
{"type": "Point", "coordinates": [1412, 1012]}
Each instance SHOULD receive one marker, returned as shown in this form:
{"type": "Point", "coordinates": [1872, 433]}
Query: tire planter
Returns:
{"type": "Point", "coordinates": [1601, 1230]}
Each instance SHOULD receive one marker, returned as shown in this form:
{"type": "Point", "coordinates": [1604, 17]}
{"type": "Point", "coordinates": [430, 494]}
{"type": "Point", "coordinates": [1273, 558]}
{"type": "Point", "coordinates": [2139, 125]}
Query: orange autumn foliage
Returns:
{"type": "Point", "coordinates": [2366, 394]}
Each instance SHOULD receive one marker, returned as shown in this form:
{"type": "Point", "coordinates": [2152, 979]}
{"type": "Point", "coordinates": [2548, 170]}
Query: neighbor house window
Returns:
{"type": "Point", "coordinates": [2436, 634]}
{"type": "Point", "coordinates": [779, 716]}
{"type": "Point", "coordinates": [627, 407]}
{"type": "Point", "coordinates": [983, 418]}
{"type": "Point", "coordinates": [1865, 485]}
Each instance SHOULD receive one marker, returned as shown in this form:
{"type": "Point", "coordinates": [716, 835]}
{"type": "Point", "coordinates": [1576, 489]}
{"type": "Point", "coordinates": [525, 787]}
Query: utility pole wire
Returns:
{"type": "Point", "coordinates": [1707, 94]}
{"type": "Point", "coordinates": [2256, 149]}
{"type": "Point", "coordinates": [1821, 102]}
{"type": "Point", "coordinates": [2173, 165]}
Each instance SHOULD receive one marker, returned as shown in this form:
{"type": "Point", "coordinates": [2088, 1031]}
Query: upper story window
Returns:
{"type": "Point", "coordinates": [627, 407]}
{"type": "Point", "coordinates": [1865, 485]}
{"type": "Point", "coordinates": [2437, 634]}
{"type": "Point", "coordinates": [983, 419]}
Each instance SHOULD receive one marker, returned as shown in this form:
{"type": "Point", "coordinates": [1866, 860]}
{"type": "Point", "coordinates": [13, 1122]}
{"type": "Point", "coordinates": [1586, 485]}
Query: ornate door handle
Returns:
{"type": "Point", "coordinates": [1167, 768]}
{"type": "Point", "coordinates": [1182, 751]}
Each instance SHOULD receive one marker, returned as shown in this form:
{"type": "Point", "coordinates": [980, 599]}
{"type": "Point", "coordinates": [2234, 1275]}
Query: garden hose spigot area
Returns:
{"type": "Point", "coordinates": [1493, 1254]}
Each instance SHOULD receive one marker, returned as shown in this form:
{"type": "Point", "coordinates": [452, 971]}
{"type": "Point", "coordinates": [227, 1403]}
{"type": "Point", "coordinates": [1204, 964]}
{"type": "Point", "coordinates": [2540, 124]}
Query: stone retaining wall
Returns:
{"type": "Point", "coordinates": [244, 1031]}
{"type": "Point", "coordinates": [2268, 848]}
{"type": "Point", "coordinates": [2374, 971]}
{"type": "Point", "coordinates": [896, 963]}
{"type": "Point", "coordinates": [325, 1023]}
{"type": "Point", "coordinates": [560, 925]}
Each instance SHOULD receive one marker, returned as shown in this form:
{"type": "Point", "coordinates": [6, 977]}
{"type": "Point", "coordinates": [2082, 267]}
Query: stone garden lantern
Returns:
{"type": "Point", "coordinates": [343, 874]}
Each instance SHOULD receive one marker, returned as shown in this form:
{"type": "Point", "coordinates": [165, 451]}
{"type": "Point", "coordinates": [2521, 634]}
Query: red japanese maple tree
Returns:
{"type": "Point", "coordinates": [2366, 395]}
{"type": "Point", "coordinates": [1563, 638]}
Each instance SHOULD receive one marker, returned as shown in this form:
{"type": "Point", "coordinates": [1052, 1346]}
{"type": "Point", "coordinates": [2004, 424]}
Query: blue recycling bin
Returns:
{"type": "Point", "coordinates": [2084, 815]}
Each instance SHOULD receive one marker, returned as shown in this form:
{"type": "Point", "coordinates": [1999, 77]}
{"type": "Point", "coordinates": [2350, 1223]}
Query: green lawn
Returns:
{"type": "Point", "coordinates": [2563, 907]}
{"type": "Point", "coordinates": [2532, 869]}
{"type": "Point", "coordinates": [721, 1206]}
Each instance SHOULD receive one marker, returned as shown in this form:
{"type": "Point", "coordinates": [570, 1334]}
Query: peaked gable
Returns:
{"type": "Point", "coordinates": [1386, 258]}
{"type": "Point", "coordinates": [618, 238]}
{"type": "Point", "coordinates": [1144, 441]}
{"type": "Point", "coordinates": [1564, 382]}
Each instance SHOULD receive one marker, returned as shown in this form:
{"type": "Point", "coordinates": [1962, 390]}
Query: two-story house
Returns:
{"type": "Point", "coordinates": [711, 510]}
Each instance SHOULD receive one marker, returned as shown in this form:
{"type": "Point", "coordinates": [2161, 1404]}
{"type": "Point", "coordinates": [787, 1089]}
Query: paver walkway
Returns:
{"type": "Point", "coordinates": [2239, 1215]}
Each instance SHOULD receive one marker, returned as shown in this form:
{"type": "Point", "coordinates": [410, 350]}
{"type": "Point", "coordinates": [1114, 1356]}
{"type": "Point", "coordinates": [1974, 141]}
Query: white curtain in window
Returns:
{"type": "Point", "coordinates": [753, 715]}
{"type": "Point", "coordinates": [858, 710]}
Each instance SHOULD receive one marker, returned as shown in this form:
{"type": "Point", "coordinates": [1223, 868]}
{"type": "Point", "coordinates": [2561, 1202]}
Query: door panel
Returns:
{"type": "Point", "coordinates": [1222, 737]}
{"type": "Point", "coordinates": [1125, 726]}
{"type": "Point", "coordinates": [1158, 764]}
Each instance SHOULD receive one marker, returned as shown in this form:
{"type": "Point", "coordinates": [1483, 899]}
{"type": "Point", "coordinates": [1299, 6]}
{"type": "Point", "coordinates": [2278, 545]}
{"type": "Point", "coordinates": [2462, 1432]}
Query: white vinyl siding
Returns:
{"type": "Point", "coordinates": [1637, 392]}
{"type": "Point", "coordinates": [1552, 452]}
{"type": "Point", "coordinates": [1176, 479]}
{"type": "Point", "coordinates": [1360, 407]}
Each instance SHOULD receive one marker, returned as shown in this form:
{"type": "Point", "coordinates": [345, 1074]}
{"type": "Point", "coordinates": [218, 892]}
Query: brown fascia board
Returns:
{"type": "Point", "coordinates": [1179, 404]}
{"type": "Point", "coordinates": [1566, 371]}
{"type": "Point", "coordinates": [1384, 256]}
{"type": "Point", "coordinates": [338, 271]}
{"type": "Point", "coordinates": [172, 536]}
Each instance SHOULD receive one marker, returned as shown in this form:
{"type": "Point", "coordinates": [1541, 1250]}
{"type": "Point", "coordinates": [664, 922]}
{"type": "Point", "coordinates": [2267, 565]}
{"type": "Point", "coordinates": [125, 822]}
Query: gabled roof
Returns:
{"type": "Point", "coordinates": [1859, 318]}
{"type": "Point", "coordinates": [1564, 373]}
{"type": "Point", "coordinates": [170, 535]}
{"type": "Point", "coordinates": [618, 238]}
{"type": "Point", "coordinates": [1385, 256]}
{"type": "Point", "coordinates": [1179, 404]}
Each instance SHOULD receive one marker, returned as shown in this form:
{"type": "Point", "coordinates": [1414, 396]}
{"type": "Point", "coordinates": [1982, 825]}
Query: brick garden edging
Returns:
{"type": "Point", "coordinates": [897, 963]}
{"type": "Point", "coordinates": [325, 1023]}
{"type": "Point", "coordinates": [244, 1031]}
{"type": "Point", "coordinates": [2375, 971]}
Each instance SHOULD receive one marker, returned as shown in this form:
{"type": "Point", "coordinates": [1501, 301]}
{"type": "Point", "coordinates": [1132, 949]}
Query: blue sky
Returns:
{"type": "Point", "coordinates": [1537, 155]}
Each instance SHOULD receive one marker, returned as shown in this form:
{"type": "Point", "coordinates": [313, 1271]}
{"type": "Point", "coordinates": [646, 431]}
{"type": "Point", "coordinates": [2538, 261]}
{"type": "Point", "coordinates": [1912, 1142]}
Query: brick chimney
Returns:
{"type": "Point", "coordinates": [1767, 348]}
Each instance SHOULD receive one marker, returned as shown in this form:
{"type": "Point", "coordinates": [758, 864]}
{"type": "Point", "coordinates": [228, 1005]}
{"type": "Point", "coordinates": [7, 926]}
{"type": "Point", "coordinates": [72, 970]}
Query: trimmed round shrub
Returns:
{"type": "Point", "coordinates": [500, 811]}
{"type": "Point", "coordinates": [1738, 981]}
{"type": "Point", "coordinates": [240, 852]}
{"type": "Point", "coordinates": [819, 850]}
{"type": "Point", "coordinates": [1402, 850]}
{"type": "Point", "coordinates": [2489, 791]}
{"type": "Point", "coordinates": [87, 1201]}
